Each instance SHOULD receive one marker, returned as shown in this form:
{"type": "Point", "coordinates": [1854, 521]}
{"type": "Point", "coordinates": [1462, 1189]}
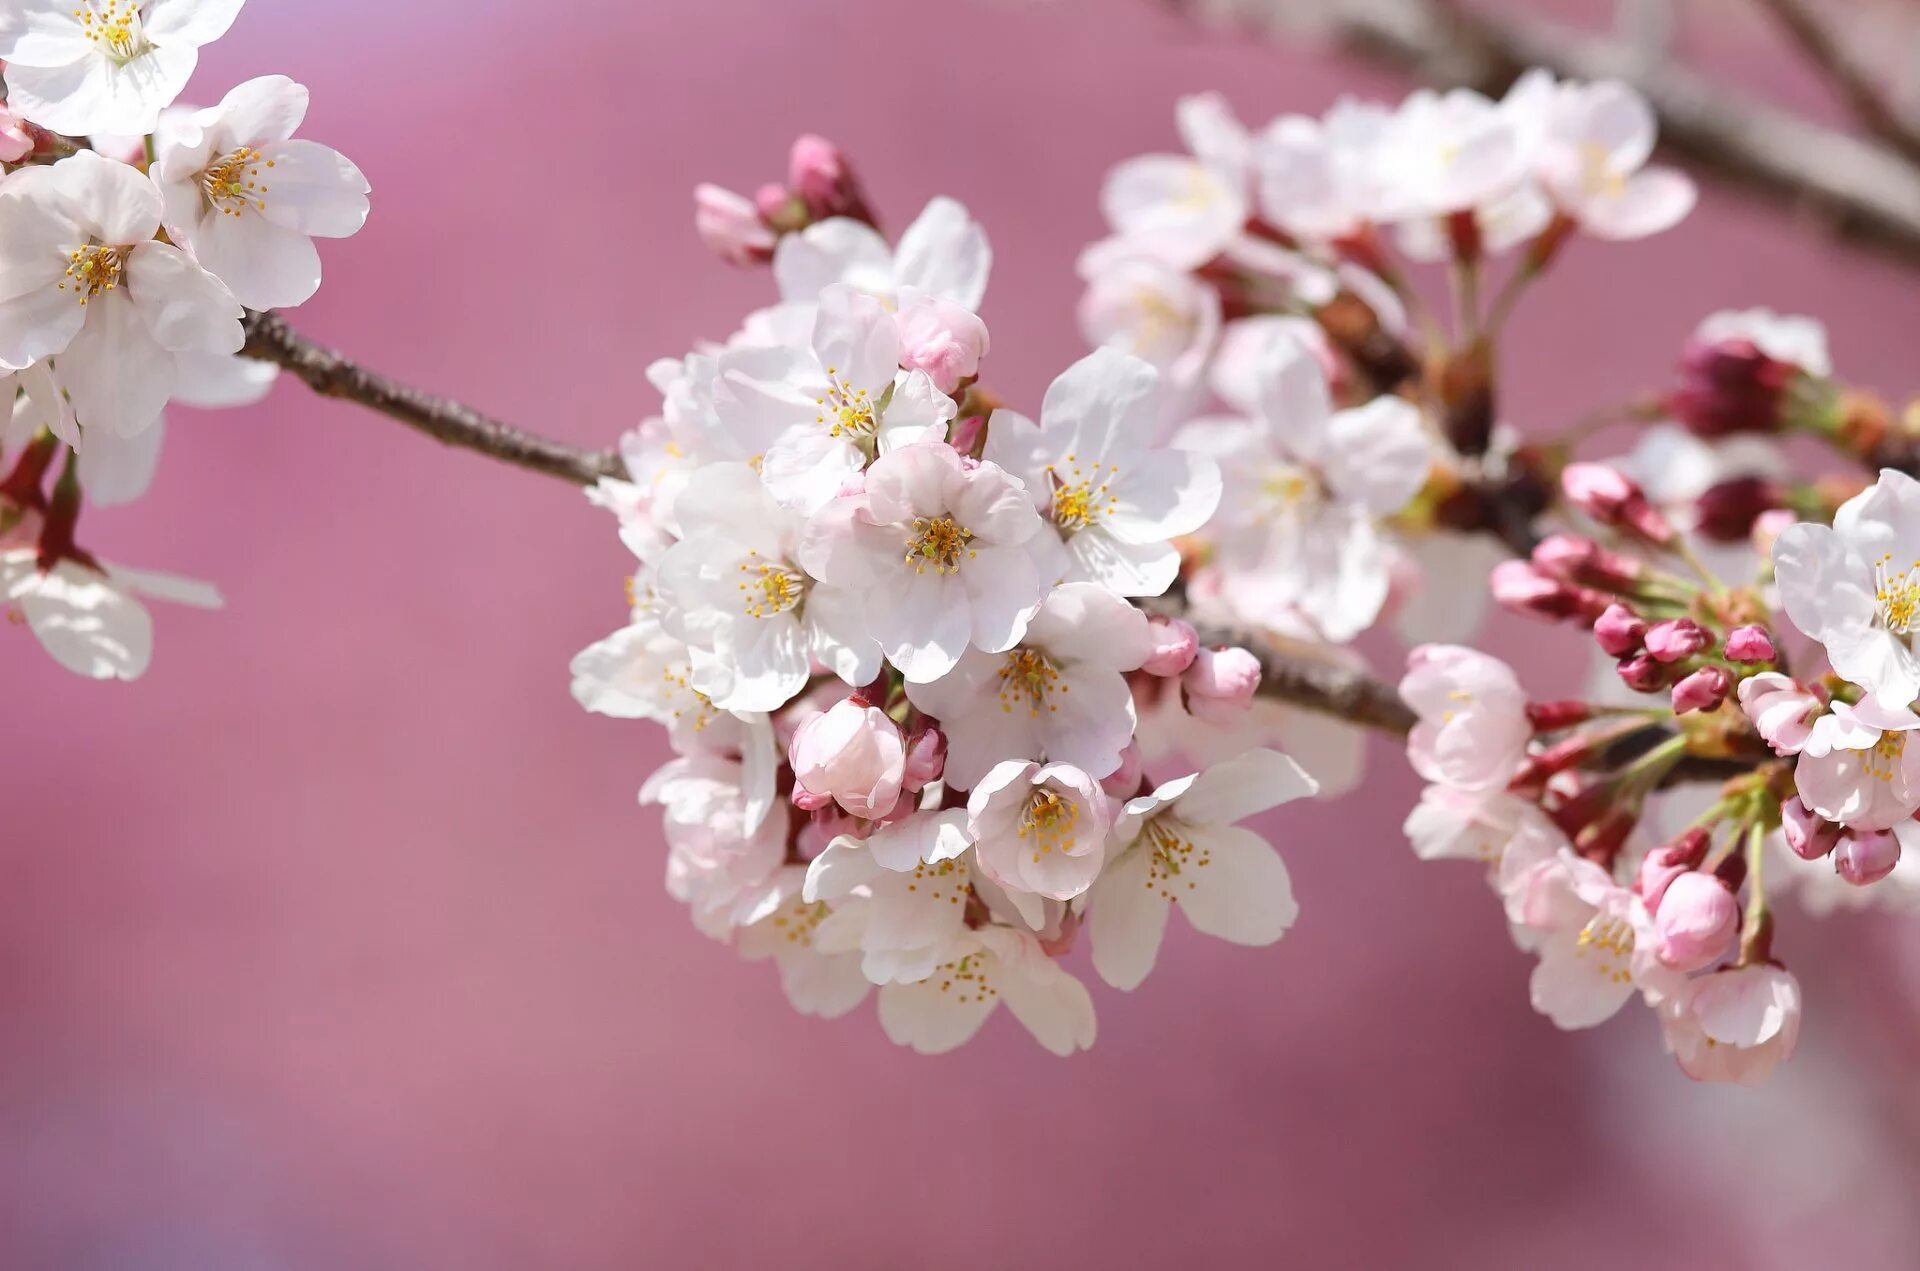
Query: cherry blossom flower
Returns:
{"type": "Point", "coordinates": [1594, 938]}
{"type": "Point", "coordinates": [781, 925]}
{"type": "Point", "coordinates": [1321, 179]}
{"type": "Point", "coordinates": [899, 898]}
{"type": "Point", "coordinates": [1184, 209]}
{"type": "Point", "coordinates": [1304, 485]}
{"type": "Point", "coordinates": [941, 552]}
{"type": "Point", "coordinates": [1591, 158]}
{"type": "Point", "coordinates": [722, 847]}
{"type": "Point", "coordinates": [1781, 708]}
{"type": "Point", "coordinates": [246, 200]}
{"type": "Point", "coordinates": [1855, 766]}
{"type": "Point", "coordinates": [943, 253]}
{"type": "Point", "coordinates": [89, 619]}
{"type": "Point", "coordinates": [104, 66]}
{"type": "Point", "coordinates": [1448, 152]}
{"type": "Point", "coordinates": [1039, 829]}
{"type": "Point", "coordinates": [88, 283]}
{"type": "Point", "coordinates": [1735, 1025]}
{"type": "Point", "coordinates": [852, 753]}
{"type": "Point", "coordinates": [1452, 823]}
{"type": "Point", "coordinates": [1180, 844]}
{"type": "Point", "coordinates": [1142, 306]}
{"type": "Point", "coordinates": [1473, 728]}
{"type": "Point", "coordinates": [754, 621]}
{"type": "Point", "coordinates": [815, 418]}
{"type": "Point", "coordinates": [977, 972]}
{"type": "Point", "coordinates": [1060, 694]}
{"type": "Point", "coordinates": [1113, 497]}
{"type": "Point", "coordinates": [1855, 587]}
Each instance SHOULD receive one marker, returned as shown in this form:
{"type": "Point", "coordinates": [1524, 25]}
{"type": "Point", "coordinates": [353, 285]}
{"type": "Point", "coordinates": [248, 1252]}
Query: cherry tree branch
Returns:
{"type": "Point", "coordinates": [1853, 83]}
{"type": "Point", "coordinates": [271, 339]}
{"type": "Point", "coordinates": [1861, 191]}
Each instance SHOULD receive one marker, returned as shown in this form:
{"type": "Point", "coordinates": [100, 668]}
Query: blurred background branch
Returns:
{"type": "Point", "coordinates": [1860, 190]}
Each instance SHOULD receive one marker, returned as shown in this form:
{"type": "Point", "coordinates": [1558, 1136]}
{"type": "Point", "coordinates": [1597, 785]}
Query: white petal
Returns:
{"type": "Point", "coordinates": [1127, 919]}
{"type": "Point", "coordinates": [89, 626]}
{"type": "Point", "coordinates": [1243, 786]}
{"type": "Point", "coordinates": [185, 308]}
{"type": "Point", "coordinates": [264, 265]}
{"type": "Point", "coordinates": [945, 253]}
{"type": "Point", "coordinates": [114, 197]}
{"type": "Point", "coordinates": [312, 189]}
{"type": "Point", "coordinates": [1243, 894]}
{"type": "Point", "coordinates": [116, 373]}
{"type": "Point", "coordinates": [835, 250]}
{"type": "Point", "coordinates": [270, 108]}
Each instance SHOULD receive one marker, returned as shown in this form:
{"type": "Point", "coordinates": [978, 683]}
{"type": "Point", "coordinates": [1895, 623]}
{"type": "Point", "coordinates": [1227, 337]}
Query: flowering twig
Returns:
{"type": "Point", "coordinates": [270, 339]}
{"type": "Point", "coordinates": [1862, 191]}
{"type": "Point", "coordinates": [1846, 76]}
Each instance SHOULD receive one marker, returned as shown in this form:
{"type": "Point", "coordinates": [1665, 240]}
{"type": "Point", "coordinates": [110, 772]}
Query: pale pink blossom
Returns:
{"type": "Point", "coordinates": [1039, 829]}
{"type": "Point", "coordinates": [854, 754]}
{"type": "Point", "coordinates": [1473, 728]}
{"type": "Point", "coordinates": [1734, 1025]}
{"type": "Point", "coordinates": [1696, 922]}
{"type": "Point", "coordinates": [1781, 708]}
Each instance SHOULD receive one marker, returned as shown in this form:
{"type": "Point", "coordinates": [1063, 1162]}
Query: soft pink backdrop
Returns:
{"type": "Point", "coordinates": [339, 941]}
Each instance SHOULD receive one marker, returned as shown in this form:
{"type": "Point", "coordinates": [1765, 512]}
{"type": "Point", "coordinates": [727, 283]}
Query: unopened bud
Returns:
{"type": "Point", "coordinates": [1809, 835]}
{"type": "Point", "coordinates": [1573, 558]}
{"type": "Point", "coordinates": [1519, 587]}
{"type": "Point", "coordinates": [1729, 386]}
{"type": "Point", "coordinates": [1704, 690]}
{"type": "Point", "coordinates": [1619, 630]}
{"type": "Point", "coordinates": [1642, 674]}
{"type": "Point", "coordinates": [1726, 511]}
{"type": "Point", "coordinates": [1677, 638]}
{"type": "Point", "coordinates": [1865, 857]}
{"type": "Point", "coordinates": [731, 227]}
{"type": "Point", "coordinates": [1750, 644]}
{"type": "Point", "coordinates": [1175, 645]}
{"type": "Point", "coordinates": [1697, 924]}
{"type": "Point", "coordinates": [1221, 683]}
{"type": "Point", "coordinates": [1605, 494]}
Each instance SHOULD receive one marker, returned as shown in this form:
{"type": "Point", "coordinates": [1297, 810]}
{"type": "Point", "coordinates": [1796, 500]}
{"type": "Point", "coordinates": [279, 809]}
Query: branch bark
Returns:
{"type": "Point", "coordinates": [271, 339]}
{"type": "Point", "coordinates": [1846, 76]}
{"type": "Point", "coordinates": [1861, 191]}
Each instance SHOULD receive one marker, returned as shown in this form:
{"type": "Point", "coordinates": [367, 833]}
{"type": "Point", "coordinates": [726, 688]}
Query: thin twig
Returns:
{"type": "Point", "coordinates": [1855, 86]}
{"type": "Point", "coordinates": [270, 339]}
{"type": "Point", "coordinates": [1860, 190]}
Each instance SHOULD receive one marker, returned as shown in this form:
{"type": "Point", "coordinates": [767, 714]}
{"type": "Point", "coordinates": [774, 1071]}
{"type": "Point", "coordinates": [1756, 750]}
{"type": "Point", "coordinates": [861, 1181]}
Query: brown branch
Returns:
{"type": "Point", "coordinates": [270, 339]}
{"type": "Point", "coordinates": [1862, 191]}
{"type": "Point", "coordinates": [1851, 81]}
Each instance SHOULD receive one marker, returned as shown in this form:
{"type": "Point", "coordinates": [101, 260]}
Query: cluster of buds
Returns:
{"type": "Point", "coordinates": [820, 186]}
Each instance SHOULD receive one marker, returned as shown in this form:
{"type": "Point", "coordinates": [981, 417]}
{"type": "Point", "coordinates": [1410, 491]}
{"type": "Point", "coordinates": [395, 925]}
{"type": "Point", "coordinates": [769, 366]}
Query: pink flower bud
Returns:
{"type": "Point", "coordinates": [731, 227]}
{"type": "Point", "coordinates": [1809, 835]}
{"type": "Point", "coordinates": [1726, 511]}
{"type": "Point", "coordinates": [1768, 527]}
{"type": "Point", "coordinates": [807, 801]}
{"type": "Point", "coordinates": [1619, 630]}
{"type": "Point", "coordinates": [16, 140]}
{"type": "Point", "coordinates": [1123, 783]}
{"type": "Point", "coordinates": [1865, 857]}
{"type": "Point", "coordinates": [1574, 559]}
{"type": "Point", "coordinates": [1697, 924]}
{"type": "Point", "coordinates": [926, 759]}
{"type": "Point", "coordinates": [941, 338]}
{"type": "Point", "coordinates": [1519, 587]}
{"type": "Point", "coordinates": [1750, 644]}
{"type": "Point", "coordinates": [820, 174]}
{"type": "Point", "coordinates": [1658, 869]}
{"type": "Point", "coordinates": [1606, 495]}
{"type": "Point", "coordinates": [1704, 690]}
{"type": "Point", "coordinates": [853, 754]}
{"type": "Point", "coordinates": [1175, 645]}
{"type": "Point", "coordinates": [1677, 638]}
{"type": "Point", "coordinates": [1642, 674]}
{"type": "Point", "coordinates": [1221, 683]}
{"type": "Point", "coordinates": [1729, 386]}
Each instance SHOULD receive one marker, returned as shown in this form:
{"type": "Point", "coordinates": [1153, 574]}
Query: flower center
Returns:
{"type": "Point", "coordinates": [1048, 823]}
{"type": "Point", "coordinates": [769, 588]}
{"type": "Point", "coordinates": [1028, 676]}
{"type": "Point", "coordinates": [846, 411]}
{"type": "Point", "coordinates": [968, 976]}
{"type": "Point", "coordinates": [1896, 594]}
{"type": "Point", "coordinates": [1598, 174]}
{"type": "Point", "coordinates": [92, 270]}
{"type": "Point", "coordinates": [1886, 752]}
{"type": "Point", "coordinates": [1291, 491]}
{"type": "Point", "coordinates": [1173, 855]}
{"type": "Point", "coordinates": [114, 29]}
{"type": "Point", "coordinates": [948, 880]}
{"type": "Point", "coordinates": [938, 542]}
{"type": "Point", "coordinates": [1081, 497]}
{"type": "Point", "coordinates": [230, 182]}
{"type": "Point", "coordinates": [1610, 939]}
{"type": "Point", "coordinates": [798, 925]}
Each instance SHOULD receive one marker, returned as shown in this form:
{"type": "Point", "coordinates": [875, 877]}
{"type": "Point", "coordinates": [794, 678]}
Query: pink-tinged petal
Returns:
{"type": "Point", "coordinates": [117, 375]}
{"type": "Point", "coordinates": [1003, 590]}
{"type": "Point", "coordinates": [1576, 990]}
{"type": "Point", "coordinates": [945, 253]}
{"type": "Point", "coordinates": [1054, 1006]}
{"type": "Point", "coordinates": [1294, 402]}
{"type": "Point", "coordinates": [1130, 569]}
{"type": "Point", "coordinates": [1163, 495]}
{"type": "Point", "coordinates": [270, 108]}
{"type": "Point", "coordinates": [828, 252]}
{"type": "Point", "coordinates": [932, 1021]}
{"type": "Point", "coordinates": [1103, 406]}
{"type": "Point", "coordinates": [917, 412]}
{"type": "Point", "coordinates": [1379, 454]}
{"type": "Point", "coordinates": [264, 265]}
{"type": "Point", "coordinates": [855, 339]}
{"type": "Point", "coordinates": [115, 198]}
{"type": "Point", "coordinates": [1240, 787]}
{"type": "Point", "coordinates": [913, 481]}
{"type": "Point", "coordinates": [37, 324]}
{"type": "Point", "coordinates": [312, 189]}
{"type": "Point", "coordinates": [116, 470]}
{"type": "Point", "coordinates": [1127, 920]}
{"type": "Point", "coordinates": [922, 622]}
{"type": "Point", "coordinates": [1650, 202]}
{"type": "Point", "coordinates": [1243, 895]}
{"type": "Point", "coordinates": [185, 308]}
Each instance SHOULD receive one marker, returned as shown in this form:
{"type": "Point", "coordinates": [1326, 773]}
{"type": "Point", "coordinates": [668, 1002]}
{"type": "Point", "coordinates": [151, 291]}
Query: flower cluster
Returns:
{"type": "Point", "coordinates": [901, 640]}
{"type": "Point", "coordinates": [126, 267]}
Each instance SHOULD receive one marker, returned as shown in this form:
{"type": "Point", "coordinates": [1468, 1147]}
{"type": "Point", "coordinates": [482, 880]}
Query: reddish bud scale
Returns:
{"type": "Point", "coordinates": [1730, 386]}
{"type": "Point", "coordinates": [1463, 235]}
{"type": "Point", "coordinates": [1642, 673]}
{"type": "Point", "coordinates": [1602, 840]}
{"type": "Point", "coordinates": [1575, 559]}
{"type": "Point", "coordinates": [1726, 511]}
{"type": "Point", "coordinates": [1619, 631]}
{"type": "Point", "coordinates": [1547, 717]}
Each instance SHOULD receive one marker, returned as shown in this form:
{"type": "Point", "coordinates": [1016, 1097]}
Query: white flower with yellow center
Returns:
{"type": "Point", "coordinates": [1180, 845]}
{"type": "Point", "coordinates": [1039, 829]}
{"type": "Point", "coordinates": [900, 897]}
{"type": "Point", "coordinates": [722, 846]}
{"type": "Point", "coordinates": [247, 200]}
{"type": "Point", "coordinates": [1060, 694]}
{"type": "Point", "coordinates": [82, 67]}
{"type": "Point", "coordinates": [941, 552]}
{"type": "Point", "coordinates": [1859, 765]}
{"type": "Point", "coordinates": [1114, 498]}
{"type": "Point", "coordinates": [82, 279]}
{"type": "Point", "coordinates": [1305, 486]}
{"type": "Point", "coordinates": [1143, 306]}
{"type": "Point", "coordinates": [755, 621]}
{"type": "Point", "coordinates": [1855, 587]}
{"type": "Point", "coordinates": [811, 419]}
{"type": "Point", "coordinates": [976, 973]}
{"type": "Point", "coordinates": [1591, 155]}
{"type": "Point", "coordinates": [641, 672]}
{"type": "Point", "coordinates": [1184, 210]}
{"type": "Point", "coordinates": [783, 925]}
{"type": "Point", "coordinates": [944, 253]}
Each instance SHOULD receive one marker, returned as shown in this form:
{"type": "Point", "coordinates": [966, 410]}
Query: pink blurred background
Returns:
{"type": "Point", "coordinates": [339, 941]}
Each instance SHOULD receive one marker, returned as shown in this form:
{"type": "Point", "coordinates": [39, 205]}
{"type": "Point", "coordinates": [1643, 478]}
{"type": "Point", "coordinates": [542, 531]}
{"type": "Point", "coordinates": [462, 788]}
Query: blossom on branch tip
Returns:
{"type": "Point", "coordinates": [81, 67]}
